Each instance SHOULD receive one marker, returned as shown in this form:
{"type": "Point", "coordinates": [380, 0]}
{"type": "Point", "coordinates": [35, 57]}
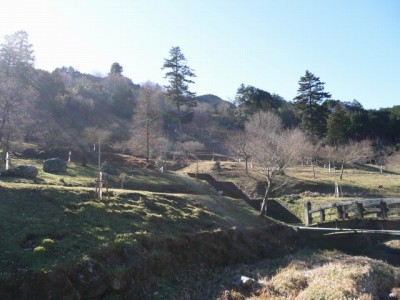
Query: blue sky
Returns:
{"type": "Point", "coordinates": [352, 45]}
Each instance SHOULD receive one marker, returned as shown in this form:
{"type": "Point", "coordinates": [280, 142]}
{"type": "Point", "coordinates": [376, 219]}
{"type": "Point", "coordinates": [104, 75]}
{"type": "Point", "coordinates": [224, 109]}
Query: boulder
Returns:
{"type": "Point", "coordinates": [244, 282]}
{"type": "Point", "coordinates": [55, 165]}
{"type": "Point", "coordinates": [29, 172]}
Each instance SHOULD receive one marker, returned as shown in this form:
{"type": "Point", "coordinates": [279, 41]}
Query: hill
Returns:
{"type": "Point", "coordinates": [58, 239]}
{"type": "Point", "coordinates": [164, 234]}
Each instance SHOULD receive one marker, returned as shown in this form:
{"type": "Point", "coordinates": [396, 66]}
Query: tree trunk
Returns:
{"type": "Point", "coordinates": [313, 167]}
{"type": "Point", "coordinates": [341, 171]}
{"type": "Point", "coordinates": [245, 161]}
{"type": "Point", "coordinates": [179, 117]}
{"type": "Point", "coordinates": [263, 210]}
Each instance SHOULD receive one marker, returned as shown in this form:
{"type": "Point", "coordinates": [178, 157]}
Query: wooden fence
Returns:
{"type": "Point", "coordinates": [356, 209]}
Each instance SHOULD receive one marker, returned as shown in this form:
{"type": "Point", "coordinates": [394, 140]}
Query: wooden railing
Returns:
{"type": "Point", "coordinates": [356, 209]}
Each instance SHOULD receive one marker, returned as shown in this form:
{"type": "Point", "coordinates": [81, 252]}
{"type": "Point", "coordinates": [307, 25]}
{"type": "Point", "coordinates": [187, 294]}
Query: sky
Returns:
{"type": "Point", "coordinates": [351, 45]}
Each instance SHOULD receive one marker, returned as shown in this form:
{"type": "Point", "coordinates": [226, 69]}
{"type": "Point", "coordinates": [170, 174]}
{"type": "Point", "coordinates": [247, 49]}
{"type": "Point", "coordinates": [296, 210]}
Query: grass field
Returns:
{"type": "Point", "coordinates": [55, 222]}
{"type": "Point", "coordinates": [47, 224]}
{"type": "Point", "coordinates": [360, 181]}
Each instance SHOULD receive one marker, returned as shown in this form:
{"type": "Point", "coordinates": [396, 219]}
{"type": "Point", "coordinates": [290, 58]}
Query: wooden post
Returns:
{"type": "Point", "coordinates": [7, 160]}
{"type": "Point", "coordinates": [360, 210]}
{"type": "Point", "coordinates": [307, 214]}
{"type": "Point", "coordinates": [383, 208]}
{"type": "Point", "coordinates": [340, 213]}
{"type": "Point", "coordinates": [336, 189]}
{"type": "Point", "coordinates": [322, 215]}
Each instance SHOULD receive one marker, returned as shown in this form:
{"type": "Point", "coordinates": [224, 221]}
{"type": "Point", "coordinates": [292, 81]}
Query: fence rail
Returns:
{"type": "Point", "coordinates": [356, 209]}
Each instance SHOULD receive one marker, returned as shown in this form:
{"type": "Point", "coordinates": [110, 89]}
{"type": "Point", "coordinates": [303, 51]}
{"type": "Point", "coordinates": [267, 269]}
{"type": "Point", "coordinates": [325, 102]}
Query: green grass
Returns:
{"type": "Point", "coordinates": [45, 225]}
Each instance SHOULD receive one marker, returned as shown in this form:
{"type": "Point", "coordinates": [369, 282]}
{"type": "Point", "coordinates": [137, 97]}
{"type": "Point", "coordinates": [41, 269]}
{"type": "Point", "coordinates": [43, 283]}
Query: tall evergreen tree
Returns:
{"type": "Point", "coordinates": [338, 125]}
{"type": "Point", "coordinates": [308, 104]}
{"type": "Point", "coordinates": [16, 56]}
{"type": "Point", "coordinates": [251, 99]}
{"type": "Point", "coordinates": [178, 75]}
{"type": "Point", "coordinates": [116, 69]}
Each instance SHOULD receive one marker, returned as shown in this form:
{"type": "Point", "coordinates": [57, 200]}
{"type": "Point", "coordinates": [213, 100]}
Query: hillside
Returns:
{"type": "Point", "coordinates": [54, 231]}
{"type": "Point", "coordinates": [167, 236]}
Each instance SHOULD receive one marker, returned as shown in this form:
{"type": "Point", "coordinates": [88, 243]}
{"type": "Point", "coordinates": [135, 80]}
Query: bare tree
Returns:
{"type": "Point", "coordinates": [353, 152]}
{"type": "Point", "coordinates": [93, 135]}
{"type": "Point", "coordinates": [329, 154]}
{"type": "Point", "coordinates": [312, 152]}
{"type": "Point", "coordinates": [273, 148]}
{"type": "Point", "coordinates": [238, 144]}
{"type": "Point", "coordinates": [148, 117]}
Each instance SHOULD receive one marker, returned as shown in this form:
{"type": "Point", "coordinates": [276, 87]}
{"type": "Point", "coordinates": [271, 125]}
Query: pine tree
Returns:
{"type": "Point", "coordinates": [178, 75]}
{"type": "Point", "coordinates": [308, 104]}
{"type": "Point", "coordinates": [338, 125]}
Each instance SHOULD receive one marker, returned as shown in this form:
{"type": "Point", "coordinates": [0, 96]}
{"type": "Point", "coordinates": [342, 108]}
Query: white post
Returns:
{"type": "Point", "coordinates": [7, 161]}
{"type": "Point", "coordinates": [336, 189]}
{"type": "Point", "coordinates": [100, 185]}
{"type": "Point", "coordinates": [94, 147]}
{"type": "Point", "coordinates": [69, 156]}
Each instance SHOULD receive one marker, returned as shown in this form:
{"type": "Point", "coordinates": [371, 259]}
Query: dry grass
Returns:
{"type": "Point", "coordinates": [362, 181]}
{"type": "Point", "coordinates": [331, 275]}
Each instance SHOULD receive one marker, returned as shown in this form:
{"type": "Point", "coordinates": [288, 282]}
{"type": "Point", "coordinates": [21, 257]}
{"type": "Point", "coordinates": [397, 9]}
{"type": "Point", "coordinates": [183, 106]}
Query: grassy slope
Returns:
{"type": "Point", "coordinates": [44, 225]}
{"type": "Point", "coordinates": [363, 181]}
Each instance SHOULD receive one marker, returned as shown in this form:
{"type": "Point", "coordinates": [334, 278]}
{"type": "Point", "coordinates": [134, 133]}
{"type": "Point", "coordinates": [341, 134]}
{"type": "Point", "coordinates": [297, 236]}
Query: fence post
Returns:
{"type": "Point", "coordinates": [307, 214]}
{"type": "Point", "coordinates": [360, 210]}
{"type": "Point", "coordinates": [322, 215]}
{"type": "Point", "coordinates": [383, 208]}
{"type": "Point", "coordinates": [340, 214]}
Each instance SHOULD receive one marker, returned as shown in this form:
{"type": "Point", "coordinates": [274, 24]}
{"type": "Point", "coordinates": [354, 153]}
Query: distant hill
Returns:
{"type": "Point", "coordinates": [213, 100]}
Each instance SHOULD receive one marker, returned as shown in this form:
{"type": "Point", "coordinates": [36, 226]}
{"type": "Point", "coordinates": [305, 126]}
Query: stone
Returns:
{"type": "Point", "coordinates": [55, 165]}
{"type": "Point", "coordinates": [244, 282]}
{"type": "Point", "coordinates": [29, 172]}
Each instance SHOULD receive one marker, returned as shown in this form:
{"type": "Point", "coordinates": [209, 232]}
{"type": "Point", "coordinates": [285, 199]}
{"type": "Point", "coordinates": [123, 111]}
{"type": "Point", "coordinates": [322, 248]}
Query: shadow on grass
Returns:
{"type": "Point", "coordinates": [372, 169]}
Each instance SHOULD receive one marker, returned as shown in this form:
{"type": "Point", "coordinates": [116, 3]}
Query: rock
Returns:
{"type": "Point", "coordinates": [29, 172]}
{"type": "Point", "coordinates": [220, 193]}
{"type": "Point", "coordinates": [244, 282]}
{"type": "Point", "coordinates": [55, 165]}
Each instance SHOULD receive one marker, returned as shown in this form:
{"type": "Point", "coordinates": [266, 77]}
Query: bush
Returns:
{"type": "Point", "coordinates": [39, 250]}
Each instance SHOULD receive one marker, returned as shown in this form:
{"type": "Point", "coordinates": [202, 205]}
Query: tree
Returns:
{"type": "Point", "coordinates": [16, 56]}
{"type": "Point", "coordinates": [16, 68]}
{"type": "Point", "coordinates": [273, 149]}
{"type": "Point", "coordinates": [308, 104]}
{"type": "Point", "coordinates": [116, 69]}
{"type": "Point", "coordinates": [251, 99]}
{"type": "Point", "coordinates": [353, 152]}
{"type": "Point", "coordinates": [178, 75]}
{"type": "Point", "coordinates": [238, 144]}
{"type": "Point", "coordinates": [338, 125]}
{"type": "Point", "coordinates": [148, 117]}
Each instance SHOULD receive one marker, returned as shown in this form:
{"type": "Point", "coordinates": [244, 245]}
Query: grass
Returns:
{"type": "Point", "coordinates": [47, 225]}
{"type": "Point", "coordinates": [360, 181]}
{"type": "Point", "coordinates": [307, 275]}
{"type": "Point", "coordinates": [55, 222]}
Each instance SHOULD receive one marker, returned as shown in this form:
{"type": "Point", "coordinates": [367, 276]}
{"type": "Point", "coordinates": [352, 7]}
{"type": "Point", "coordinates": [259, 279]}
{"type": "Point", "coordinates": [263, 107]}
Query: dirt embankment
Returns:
{"type": "Point", "coordinates": [132, 268]}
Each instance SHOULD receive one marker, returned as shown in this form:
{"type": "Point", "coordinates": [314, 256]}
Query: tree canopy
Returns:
{"type": "Point", "coordinates": [308, 102]}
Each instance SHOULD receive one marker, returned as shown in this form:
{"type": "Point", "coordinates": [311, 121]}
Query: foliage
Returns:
{"type": "Point", "coordinates": [116, 69]}
{"type": "Point", "coordinates": [250, 99]}
{"type": "Point", "coordinates": [179, 76]}
{"type": "Point", "coordinates": [308, 104]}
{"type": "Point", "coordinates": [338, 126]}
